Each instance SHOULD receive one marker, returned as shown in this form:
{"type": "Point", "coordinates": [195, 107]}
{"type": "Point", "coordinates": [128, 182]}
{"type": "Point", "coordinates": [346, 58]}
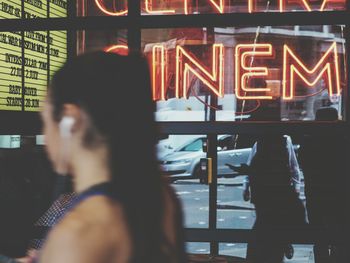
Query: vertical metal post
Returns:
{"type": "Point", "coordinates": [48, 45]}
{"type": "Point", "coordinates": [346, 100]}
{"type": "Point", "coordinates": [134, 30]}
{"type": "Point", "coordinates": [23, 54]}
{"type": "Point", "coordinates": [212, 153]}
{"type": "Point", "coordinates": [346, 95]}
{"type": "Point", "coordinates": [71, 34]}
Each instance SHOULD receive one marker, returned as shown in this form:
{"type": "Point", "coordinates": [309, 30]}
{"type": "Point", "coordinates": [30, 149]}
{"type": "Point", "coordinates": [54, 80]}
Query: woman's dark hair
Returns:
{"type": "Point", "coordinates": [115, 92]}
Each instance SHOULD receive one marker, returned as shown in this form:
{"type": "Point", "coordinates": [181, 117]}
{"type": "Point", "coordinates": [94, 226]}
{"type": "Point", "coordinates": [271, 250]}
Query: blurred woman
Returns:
{"type": "Point", "coordinates": [99, 127]}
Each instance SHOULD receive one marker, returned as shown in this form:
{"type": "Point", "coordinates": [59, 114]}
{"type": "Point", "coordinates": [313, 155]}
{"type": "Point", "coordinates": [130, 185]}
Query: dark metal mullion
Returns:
{"type": "Point", "coordinates": [213, 154]}
{"type": "Point", "coordinates": [134, 29]}
{"type": "Point", "coordinates": [345, 98]}
{"type": "Point", "coordinates": [346, 94]}
{"type": "Point", "coordinates": [213, 191]}
{"type": "Point", "coordinates": [48, 45]}
{"type": "Point", "coordinates": [19, 123]}
{"type": "Point", "coordinates": [134, 20]}
{"type": "Point", "coordinates": [23, 54]}
{"type": "Point", "coordinates": [71, 34]}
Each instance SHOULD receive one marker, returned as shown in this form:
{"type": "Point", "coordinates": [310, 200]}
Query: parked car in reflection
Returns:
{"type": "Point", "coordinates": [184, 161]}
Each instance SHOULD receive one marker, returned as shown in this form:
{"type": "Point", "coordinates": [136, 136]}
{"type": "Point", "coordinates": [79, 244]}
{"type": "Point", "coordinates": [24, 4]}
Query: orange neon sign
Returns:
{"type": "Point", "coordinates": [305, 4]}
{"type": "Point", "coordinates": [101, 5]}
{"type": "Point", "coordinates": [186, 64]}
{"type": "Point", "coordinates": [118, 49]}
{"type": "Point", "coordinates": [251, 6]}
{"type": "Point", "coordinates": [328, 66]}
{"type": "Point", "coordinates": [217, 5]}
{"type": "Point", "coordinates": [158, 72]}
{"type": "Point", "coordinates": [149, 9]}
{"type": "Point", "coordinates": [188, 68]}
{"type": "Point", "coordinates": [243, 72]}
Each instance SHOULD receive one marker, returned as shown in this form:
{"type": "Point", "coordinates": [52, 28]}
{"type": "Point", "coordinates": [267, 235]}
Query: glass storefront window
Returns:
{"type": "Point", "coordinates": [234, 151]}
{"type": "Point", "coordinates": [58, 8]}
{"type": "Point", "coordinates": [102, 8]}
{"type": "Point", "coordinates": [187, 7]}
{"type": "Point", "coordinates": [242, 72]}
{"type": "Point", "coordinates": [102, 40]}
{"type": "Point", "coordinates": [10, 141]}
{"type": "Point", "coordinates": [198, 247]}
{"type": "Point", "coordinates": [11, 9]}
{"type": "Point", "coordinates": [36, 75]}
{"type": "Point", "coordinates": [27, 61]}
{"type": "Point", "coordinates": [233, 249]}
{"type": "Point", "coordinates": [238, 73]}
{"type": "Point", "coordinates": [11, 80]}
{"type": "Point", "coordinates": [232, 211]}
{"type": "Point", "coordinates": [58, 50]}
{"type": "Point", "coordinates": [179, 159]}
{"type": "Point", "coordinates": [33, 9]}
{"type": "Point", "coordinates": [302, 253]}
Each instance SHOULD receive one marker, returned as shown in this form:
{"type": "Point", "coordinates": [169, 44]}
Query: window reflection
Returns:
{"type": "Point", "coordinates": [247, 69]}
{"type": "Point", "coordinates": [179, 160]}
{"type": "Point", "coordinates": [102, 40]}
{"type": "Point", "coordinates": [188, 7]}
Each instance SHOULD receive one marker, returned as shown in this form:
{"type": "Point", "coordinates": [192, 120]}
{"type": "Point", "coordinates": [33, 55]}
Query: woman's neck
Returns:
{"type": "Point", "coordinates": [90, 168]}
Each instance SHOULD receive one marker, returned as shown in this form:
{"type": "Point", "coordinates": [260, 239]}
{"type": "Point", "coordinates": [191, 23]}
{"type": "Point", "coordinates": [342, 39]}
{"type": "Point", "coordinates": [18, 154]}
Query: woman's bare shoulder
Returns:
{"type": "Point", "coordinates": [88, 233]}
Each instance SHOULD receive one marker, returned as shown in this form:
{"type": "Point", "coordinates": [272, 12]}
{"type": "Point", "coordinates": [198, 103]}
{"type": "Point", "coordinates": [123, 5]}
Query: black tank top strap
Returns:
{"type": "Point", "coordinates": [103, 189]}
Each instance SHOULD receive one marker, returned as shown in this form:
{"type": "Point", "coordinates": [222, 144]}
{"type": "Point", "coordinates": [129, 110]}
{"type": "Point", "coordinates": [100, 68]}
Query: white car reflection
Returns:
{"type": "Point", "coordinates": [183, 162]}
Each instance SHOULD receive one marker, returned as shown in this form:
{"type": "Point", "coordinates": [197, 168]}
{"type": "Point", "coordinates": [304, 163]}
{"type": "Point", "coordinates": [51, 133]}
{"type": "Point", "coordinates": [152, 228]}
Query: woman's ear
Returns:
{"type": "Point", "coordinates": [66, 126]}
{"type": "Point", "coordinates": [71, 119]}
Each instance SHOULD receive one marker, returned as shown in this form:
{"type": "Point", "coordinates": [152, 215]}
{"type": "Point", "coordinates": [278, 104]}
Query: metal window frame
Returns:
{"type": "Point", "coordinates": [30, 124]}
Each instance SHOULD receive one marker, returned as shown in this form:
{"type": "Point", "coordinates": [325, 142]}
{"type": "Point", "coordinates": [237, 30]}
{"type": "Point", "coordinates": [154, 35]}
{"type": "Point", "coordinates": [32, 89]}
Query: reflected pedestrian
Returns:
{"type": "Point", "coordinates": [274, 182]}
{"type": "Point", "coordinates": [273, 176]}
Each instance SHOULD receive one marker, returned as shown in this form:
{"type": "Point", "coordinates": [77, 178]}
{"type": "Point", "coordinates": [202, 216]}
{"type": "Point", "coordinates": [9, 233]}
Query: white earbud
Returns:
{"type": "Point", "coordinates": [65, 126]}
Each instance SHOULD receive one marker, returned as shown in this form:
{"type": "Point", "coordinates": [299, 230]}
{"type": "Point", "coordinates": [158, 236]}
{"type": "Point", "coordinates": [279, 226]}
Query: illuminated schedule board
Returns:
{"type": "Point", "coordinates": [29, 59]}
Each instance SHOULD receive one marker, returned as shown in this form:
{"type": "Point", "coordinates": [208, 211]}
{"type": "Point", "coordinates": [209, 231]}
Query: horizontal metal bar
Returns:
{"type": "Point", "coordinates": [27, 123]}
{"type": "Point", "coordinates": [291, 128]}
{"type": "Point", "coordinates": [177, 21]}
{"type": "Point", "coordinates": [20, 123]}
{"type": "Point", "coordinates": [246, 19]}
{"type": "Point", "coordinates": [293, 235]}
{"type": "Point", "coordinates": [78, 23]}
